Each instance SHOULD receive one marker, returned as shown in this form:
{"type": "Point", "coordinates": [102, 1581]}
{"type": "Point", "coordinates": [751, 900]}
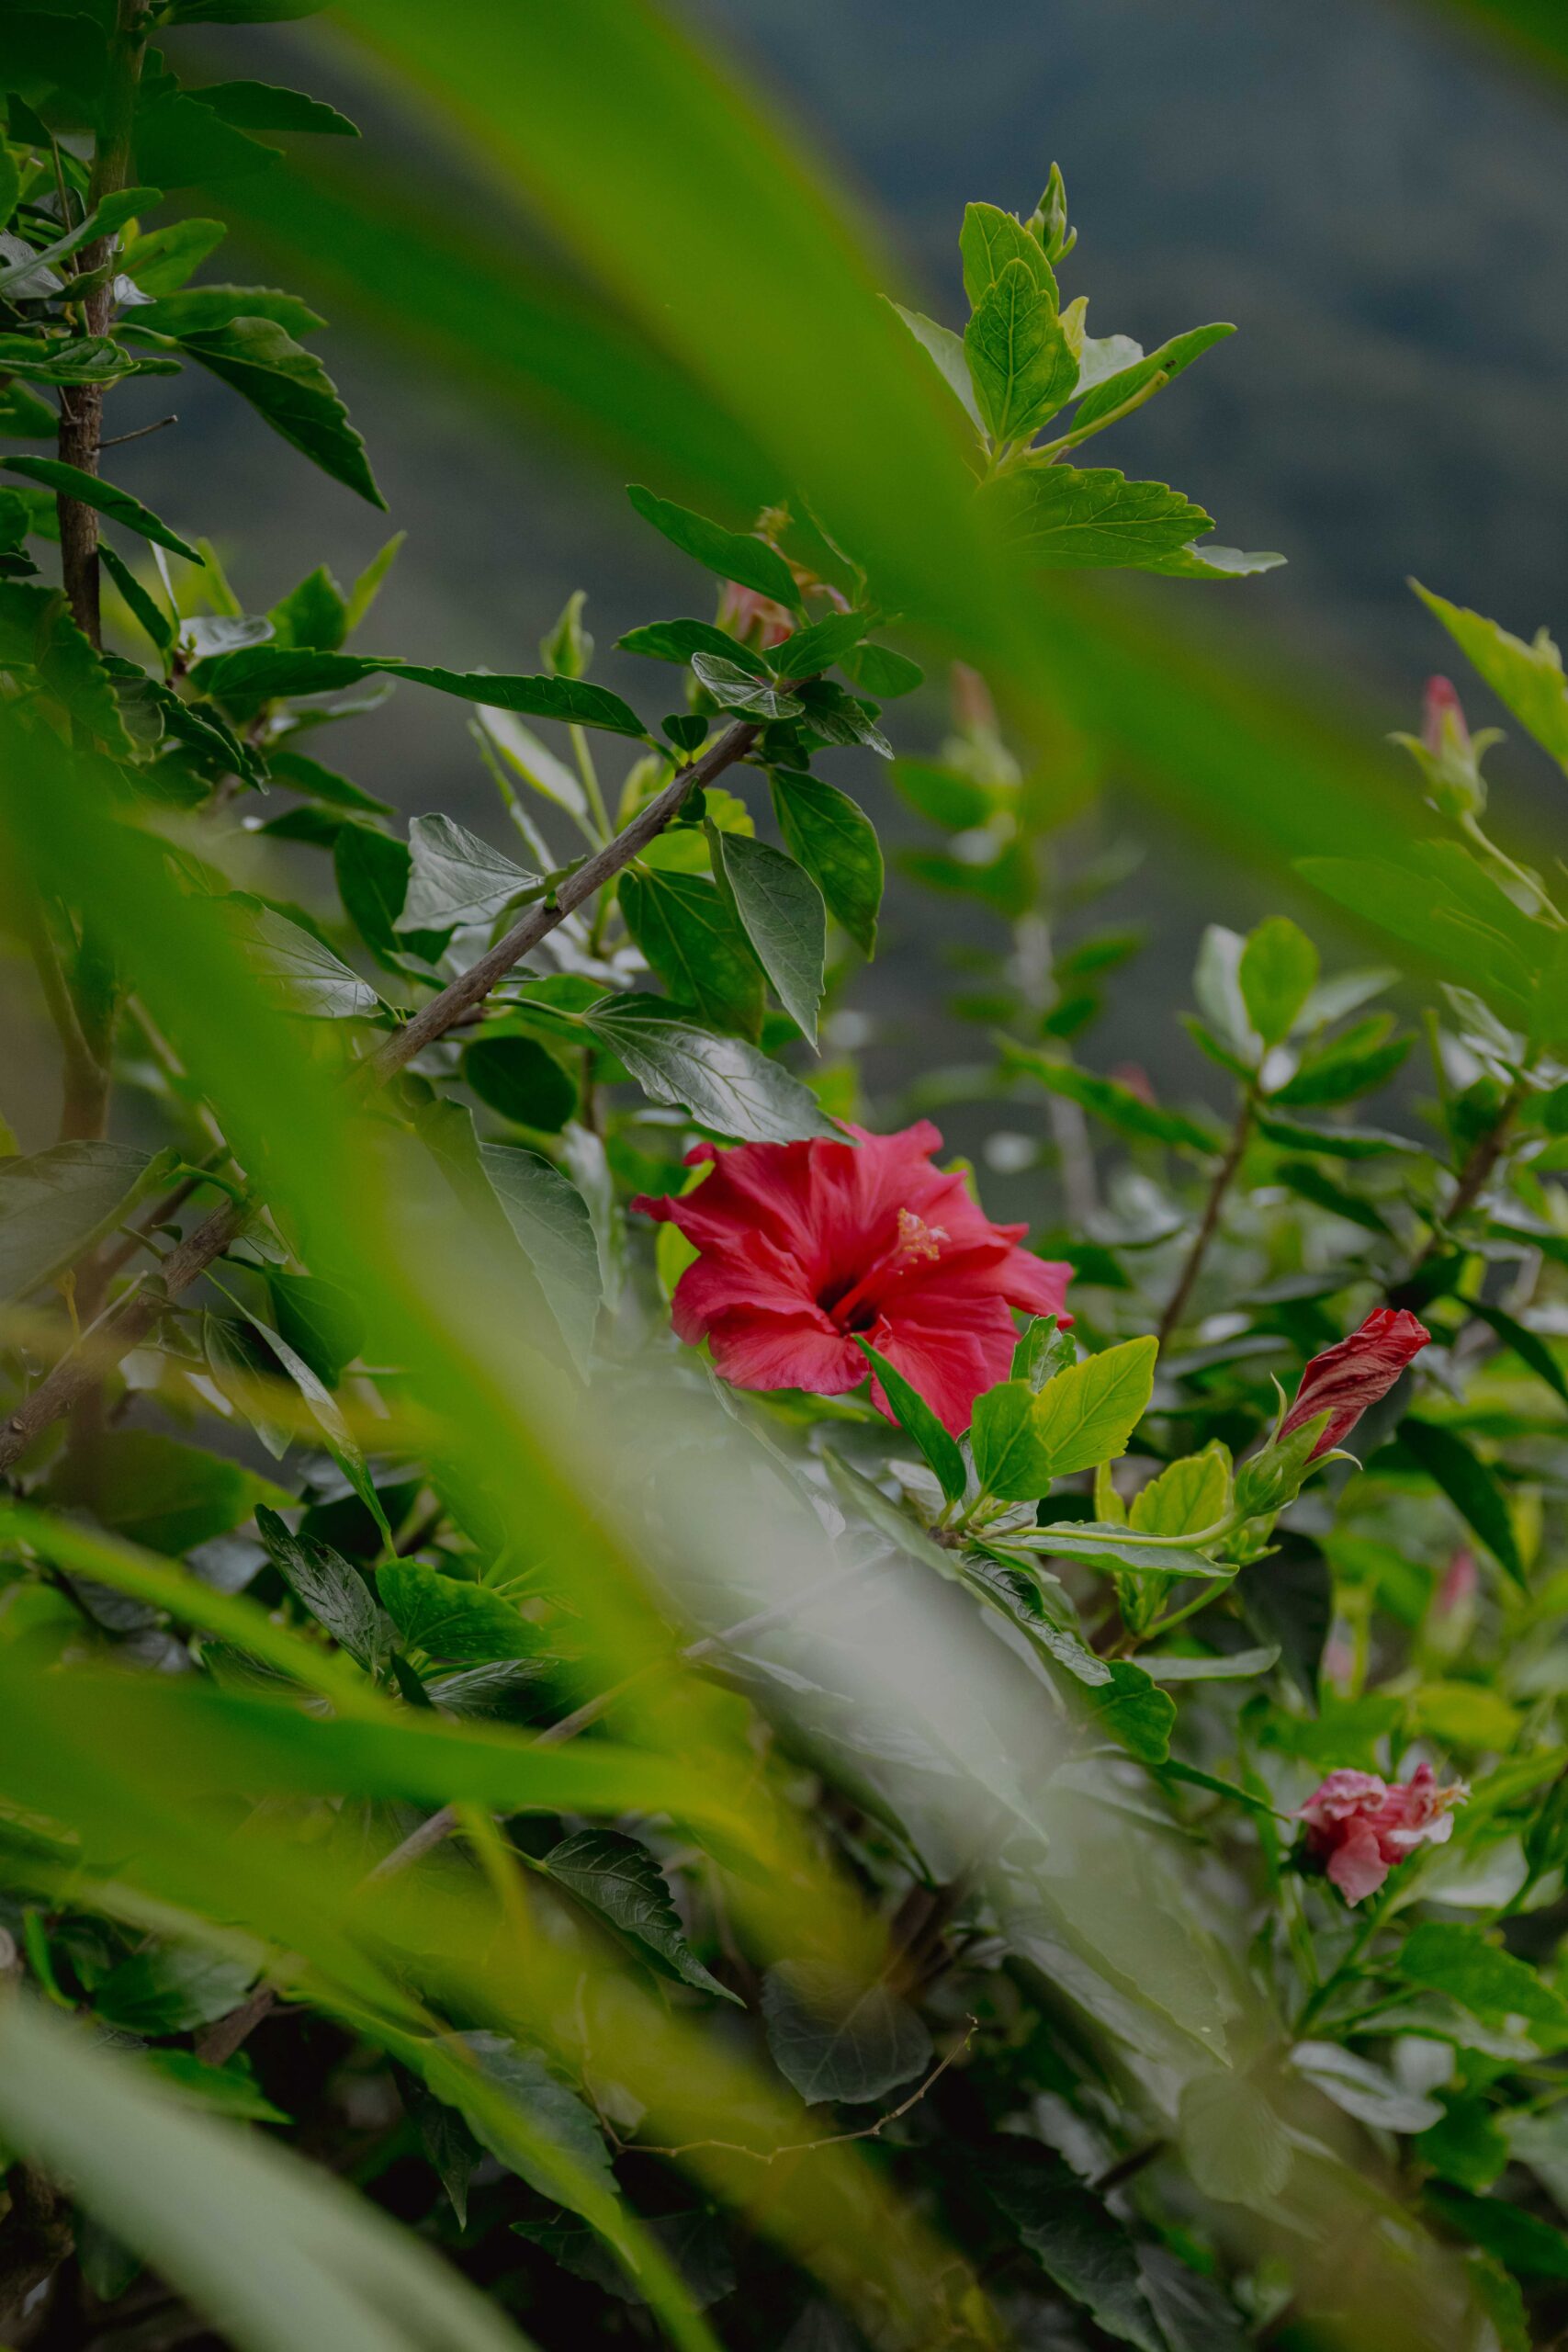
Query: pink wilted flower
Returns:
{"type": "Point", "coordinates": [754, 619]}
{"type": "Point", "coordinates": [1355, 1372]}
{"type": "Point", "coordinates": [1358, 1828]}
{"type": "Point", "coordinates": [803, 1245]}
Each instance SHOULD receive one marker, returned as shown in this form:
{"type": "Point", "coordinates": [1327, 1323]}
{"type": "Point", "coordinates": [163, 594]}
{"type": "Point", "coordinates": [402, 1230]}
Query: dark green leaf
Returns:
{"type": "Point", "coordinates": [1459, 1473]}
{"type": "Point", "coordinates": [1334, 1142]}
{"type": "Point", "coordinates": [679, 640]}
{"type": "Point", "coordinates": [296, 973]}
{"type": "Point", "coordinates": [1310, 1183]}
{"type": "Point", "coordinates": [1453, 1957]}
{"type": "Point", "coordinates": [1528, 1346]}
{"type": "Point", "coordinates": [818, 645]}
{"type": "Point", "coordinates": [1133, 1711]}
{"type": "Point", "coordinates": [319, 1320]}
{"type": "Point", "coordinates": [208, 310]}
{"type": "Point", "coordinates": [1340, 1073]}
{"type": "Point", "coordinates": [154, 1490]}
{"type": "Point", "coordinates": [616, 1875]}
{"type": "Point", "coordinates": [161, 259]}
{"type": "Point", "coordinates": [1289, 1600]}
{"type": "Point", "coordinates": [883, 672]}
{"type": "Point", "coordinates": [685, 927]}
{"type": "Point", "coordinates": [1076, 2241]}
{"type": "Point", "coordinates": [1520, 2240]}
{"type": "Point", "coordinates": [101, 221]}
{"type": "Point", "coordinates": [1118, 1105]}
{"type": "Point", "coordinates": [309, 777]}
{"type": "Point", "coordinates": [144, 609]}
{"type": "Point", "coordinates": [372, 873]}
{"type": "Point", "coordinates": [915, 1418]}
{"type": "Point", "coordinates": [551, 2109]}
{"type": "Point", "coordinates": [574, 701]}
{"type": "Point", "coordinates": [330, 1586]}
{"type": "Point", "coordinates": [725, 1083]}
{"type": "Point", "coordinates": [836, 842]}
{"type": "Point", "coordinates": [731, 554]}
{"type": "Point", "coordinates": [261, 106]}
{"type": "Point", "coordinates": [289, 387]}
{"type": "Point", "coordinates": [179, 141]}
{"type": "Point", "coordinates": [838, 717]}
{"type": "Point", "coordinates": [313, 613]}
{"type": "Point", "coordinates": [172, 1988]}
{"type": "Point", "coordinates": [448, 1618]}
{"type": "Point", "coordinates": [785, 917]}
{"type": "Point", "coordinates": [522, 1080]}
{"type": "Point", "coordinates": [835, 2036]}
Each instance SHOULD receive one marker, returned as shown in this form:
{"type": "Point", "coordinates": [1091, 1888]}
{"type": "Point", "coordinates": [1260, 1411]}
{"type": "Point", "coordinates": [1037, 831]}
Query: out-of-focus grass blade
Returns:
{"type": "Point", "coordinates": [1538, 27]}
{"type": "Point", "coordinates": [278, 2253]}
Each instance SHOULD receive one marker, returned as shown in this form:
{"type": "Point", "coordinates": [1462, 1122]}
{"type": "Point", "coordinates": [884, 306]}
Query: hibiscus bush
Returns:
{"type": "Point", "coordinates": [622, 1717]}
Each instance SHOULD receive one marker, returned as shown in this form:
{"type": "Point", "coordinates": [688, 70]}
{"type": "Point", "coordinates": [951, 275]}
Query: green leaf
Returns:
{"type": "Point", "coordinates": [1277, 973]}
{"type": "Point", "coordinates": [241, 1366]}
{"type": "Point", "coordinates": [522, 1080]}
{"type": "Point", "coordinates": [1116, 1105]}
{"type": "Point", "coordinates": [1187, 1498]}
{"type": "Point", "coordinates": [1086, 1414]}
{"type": "Point", "coordinates": [989, 241]}
{"type": "Point", "coordinates": [288, 386]}
{"type": "Point", "coordinates": [1528, 1346]}
{"type": "Point", "coordinates": [101, 221]}
{"type": "Point", "coordinates": [450, 1619]}
{"type": "Point", "coordinates": [1044, 1350]}
{"type": "Point", "coordinates": [369, 585]}
{"type": "Point", "coordinates": [1463, 1478]}
{"type": "Point", "coordinates": [1213, 563]}
{"type": "Point", "coordinates": [1519, 2240]}
{"type": "Point", "coordinates": [296, 973]}
{"type": "Point", "coordinates": [145, 610]}
{"type": "Point", "coordinates": [330, 1586]}
{"type": "Point", "coordinates": [372, 873]}
{"type": "Point", "coordinates": [172, 1988]}
{"type": "Point", "coordinates": [1337, 1142]}
{"type": "Point", "coordinates": [619, 1878]}
{"type": "Point", "coordinates": [38, 633]}
{"type": "Point", "coordinates": [208, 310]}
{"type": "Point", "coordinates": [1362, 2089]}
{"type": "Point", "coordinates": [1527, 678]}
{"type": "Point", "coordinates": [818, 645]}
{"type": "Point", "coordinates": [1103, 1545]}
{"type": "Point", "coordinates": [1453, 1957]}
{"type": "Point", "coordinates": [576, 702]}
{"type": "Point", "coordinates": [838, 717]}
{"type": "Point", "coordinates": [725, 1083]}
{"type": "Point", "coordinates": [1310, 1183]}
{"type": "Point", "coordinates": [67, 359]}
{"type": "Point", "coordinates": [550, 1222]}
{"type": "Point", "coordinates": [154, 1490]}
{"type": "Point", "coordinates": [679, 640]}
{"type": "Point", "coordinates": [313, 613]}
{"type": "Point", "coordinates": [836, 842]}
{"type": "Point", "coordinates": [1232, 2141]}
{"type": "Point", "coordinates": [783, 913]}
{"type": "Point", "coordinates": [1010, 1461]}
{"type": "Point", "coordinates": [883, 672]}
{"type": "Point", "coordinates": [741, 690]}
{"type": "Point", "coordinates": [731, 554]}
{"type": "Point", "coordinates": [1133, 1711]}
{"type": "Point", "coordinates": [1077, 2242]}
{"type": "Point", "coordinates": [261, 106]}
{"type": "Point", "coordinates": [455, 877]}
{"type": "Point", "coordinates": [684, 926]}
{"type": "Point", "coordinates": [57, 1205]}
{"type": "Point", "coordinates": [1022, 365]}
{"type": "Point", "coordinates": [24, 417]}
{"type": "Point", "coordinates": [835, 2036]}
{"type": "Point", "coordinates": [947, 350]}
{"type": "Point", "coordinates": [1229, 1665]}
{"type": "Point", "coordinates": [1059, 518]}
{"type": "Point", "coordinates": [1343, 1070]}
{"type": "Point", "coordinates": [318, 782]}
{"type": "Point", "coordinates": [553, 2112]}
{"type": "Point", "coordinates": [1114, 391]}
{"type": "Point", "coordinates": [319, 1320]}
{"type": "Point", "coordinates": [915, 1418]}
{"type": "Point", "coordinates": [161, 259]}
{"type": "Point", "coordinates": [180, 143]}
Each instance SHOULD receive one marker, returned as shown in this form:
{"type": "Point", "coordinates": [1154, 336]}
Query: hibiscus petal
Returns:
{"type": "Point", "coordinates": [950, 1347]}
{"type": "Point", "coordinates": [785, 1352]}
{"type": "Point", "coordinates": [1357, 1865]}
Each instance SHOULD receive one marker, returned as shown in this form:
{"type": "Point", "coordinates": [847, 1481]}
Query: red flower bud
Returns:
{"type": "Point", "coordinates": [1442, 713]}
{"type": "Point", "coordinates": [1344, 1379]}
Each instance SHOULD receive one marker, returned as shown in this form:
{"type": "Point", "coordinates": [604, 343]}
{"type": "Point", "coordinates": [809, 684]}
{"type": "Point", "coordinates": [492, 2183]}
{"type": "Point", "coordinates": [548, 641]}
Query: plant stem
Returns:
{"type": "Point", "coordinates": [590, 775]}
{"type": "Point", "coordinates": [1476, 1174]}
{"type": "Point", "coordinates": [1224, 1176]}
{"type": "Point", "coordinates": [74, 1375]}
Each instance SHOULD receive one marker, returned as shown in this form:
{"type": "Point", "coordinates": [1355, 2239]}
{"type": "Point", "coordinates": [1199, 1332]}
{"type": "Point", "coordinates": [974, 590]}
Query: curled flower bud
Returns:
{"type": "Point", "coordinates": [1358, 1828]}
{"type": "Point", "coordinates": [1442, 718]}
{"type": "Point", "coordinates": [1354, 1373]}
{"type": "Point", "coordinates": [1446, 753]}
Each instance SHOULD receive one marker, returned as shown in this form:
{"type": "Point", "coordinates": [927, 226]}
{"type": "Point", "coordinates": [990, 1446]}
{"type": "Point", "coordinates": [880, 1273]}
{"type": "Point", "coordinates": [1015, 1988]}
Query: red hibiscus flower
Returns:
{"type": "Point", "coordinates": [1344, 1379]}
{"type": "Point", "coordinates": [1358, 1828]}
{"type": "Point", "coordinates": [803, 1245]}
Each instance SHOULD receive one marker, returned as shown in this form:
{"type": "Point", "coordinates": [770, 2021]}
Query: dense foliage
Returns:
{"type": "Point", "coordinates": [620, 1714]}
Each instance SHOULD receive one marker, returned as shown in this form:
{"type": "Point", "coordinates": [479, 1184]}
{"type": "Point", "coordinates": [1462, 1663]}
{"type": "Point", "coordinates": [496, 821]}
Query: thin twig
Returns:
{"type": "Point", "coordinates": [1240, 1135]}
{"type": "Point", "coordinates": [809, 2147]}
{"type": "Point", "coordinates": [418, 1841]}
{"type": "Point", "coordinates": [141, 433]}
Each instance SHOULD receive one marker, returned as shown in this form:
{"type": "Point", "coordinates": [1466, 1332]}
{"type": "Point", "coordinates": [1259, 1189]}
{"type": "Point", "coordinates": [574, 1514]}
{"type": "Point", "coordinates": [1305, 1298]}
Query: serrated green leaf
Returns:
{"type": "Point", "coordinates": [616, 1876]}
{"type": "Point", "coordinates": [947, 350]}
{"type": "Point", "coordinates": [330, 1586]}
{"type": "Point", "coordinates": [738, 689]}
{"type": "Point", "coordinates": [1113, 390]}
{"type": "Point", "coordinates": [70, 482]}
{"type": "Point", "coordinates": [1061, 518]}
{"type": "Point", "coordinates": [685, 927]}
{"type": "Point", "coordinates": [456, 878]}
{"type": "Point", "coordinates": [549, 1220]}
{"type": "Point", "coordinates": [835, 2036]}
{"type": "Point", "coordinates": [296, 973]}
{"type": "Point", "coordinates": [988, 241]}
{"type": "Point", "coordinates": [288, 386]}
{"type": "Point", "coordinates": [57, 1205]}
{"type": "Point", "coordinates": [679, 640]}
{"type": "Point", "coordinates": [733, 554]}
{"type": "Point", "coordinates": [1527, 678]}
{"type": "Point", "coordinates": [451, 1619]}
{"type": "Point", "coordinates": [1116, 1105]}
{"type": "Point", "coordinates": [1021, 363]}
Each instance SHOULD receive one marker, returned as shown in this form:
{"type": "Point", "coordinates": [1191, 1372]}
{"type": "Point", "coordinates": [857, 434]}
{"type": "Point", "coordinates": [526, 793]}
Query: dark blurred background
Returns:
{"type": "Point", "coordinates": [1376, 199]}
